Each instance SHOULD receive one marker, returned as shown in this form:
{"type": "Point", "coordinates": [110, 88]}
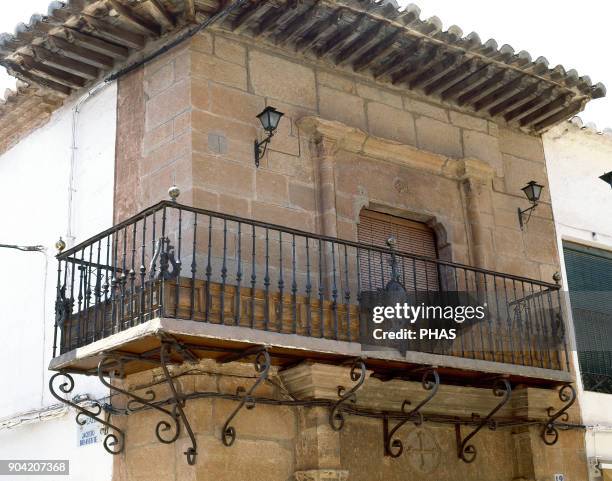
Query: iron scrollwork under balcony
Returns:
{"type": "Point", "coordinates": [181, 262]}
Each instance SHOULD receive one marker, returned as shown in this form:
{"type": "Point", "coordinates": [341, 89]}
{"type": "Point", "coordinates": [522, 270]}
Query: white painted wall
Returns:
{"type": "Point", "coordinates": [37, 207]}
{"type": "Point", "coordinates": [582, 207]}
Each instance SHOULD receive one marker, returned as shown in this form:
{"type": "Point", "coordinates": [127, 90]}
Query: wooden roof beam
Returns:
{"type": "Point", "coordinates": [433, 55]}
{"type": "Point", "coordinates": [68, 65]}
{"type": "Point", "coordinates": [482, 89]}
{"type": "Point", "coordinates": [359, 44]}
{"type": "Point", "coordinates": [161, 15]}
{"type": "Point", "coordinates": [80, 54]}
{"type": "Point", "coordinates": [557, 105]}
{"type": "Point", "coordinates": [115, 34]}
{"type": "Point", "coordinates": [319, 29]}
{"type": "Point", "coordinates": [572, 109]}
{"type": "Point", "coordinates": [436, 71]}
{"type": "Point", "coordinates": [453, 77]}
{"type": "Point", "coordinates": [502, 93]}
{"type": "Point", "coordinates": [469, 83]}
{"type": "Point", "coordinates": [245, 17]}
{"type": "Point", "coordinates": [127, 14]}
{"type": "Point", "coordinates": [30, 77]}
{"type": "Point", "coordinates": [519, 98]}
{"type": "Point", "coordinates": [273, 17]}
{"type": "Point", "coordinates": [345, 34]}
{"type": "Point", "coordinates": [524, 109]}
{"type": "Point", "coordinates": [51, 73]}
{"type": "Point", "coordinates": [190, 11]}
{"type": "Point", "coordinates": [85, 40]}
{"type": "Point", "coordinates": [379, 50]}
{"type": "Point", "coordinates": [399, 60]}
{"type": "Point", "coordinates": [298, 25]}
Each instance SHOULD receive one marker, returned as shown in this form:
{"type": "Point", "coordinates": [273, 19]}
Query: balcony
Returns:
{"type": "Point", "coordinates": [218, 283]}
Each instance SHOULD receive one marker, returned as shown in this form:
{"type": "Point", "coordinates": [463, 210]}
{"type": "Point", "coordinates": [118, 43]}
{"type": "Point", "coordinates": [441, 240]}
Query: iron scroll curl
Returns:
{"type": "Point", "coordinates": [358, 375]}
{"type": "Point", "coordinates": [114, 442]}
{"type": "Point", "coordinates": [550, 433]}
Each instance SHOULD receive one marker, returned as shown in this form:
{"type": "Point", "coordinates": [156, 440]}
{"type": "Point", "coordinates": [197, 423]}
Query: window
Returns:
{"type": "Point", "coordinates": [411, 237]}
{"type": "Point", "coordinates": [589, 277]}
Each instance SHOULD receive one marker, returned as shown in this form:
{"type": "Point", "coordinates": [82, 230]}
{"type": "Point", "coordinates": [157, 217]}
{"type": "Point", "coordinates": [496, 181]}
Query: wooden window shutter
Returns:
{"type": "Point", "coordinates": [411, 237]}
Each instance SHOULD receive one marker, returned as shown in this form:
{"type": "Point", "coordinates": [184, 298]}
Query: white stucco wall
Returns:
{"type": "Point", "coordinates": [37, 207]}
{"type": "Point", "coordinates": [582, 207]}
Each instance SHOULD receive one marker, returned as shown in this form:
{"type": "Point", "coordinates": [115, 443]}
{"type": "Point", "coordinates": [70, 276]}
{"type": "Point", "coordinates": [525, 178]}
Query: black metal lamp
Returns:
{"type": "Point", "coordinates": [532, 191]}
{"type": "Point", "coordinates": [269, 118]}
{"type": "Point", "coordinates": [607, 178]}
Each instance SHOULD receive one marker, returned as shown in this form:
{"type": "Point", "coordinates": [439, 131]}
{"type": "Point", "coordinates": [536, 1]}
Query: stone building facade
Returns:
{"type": "Point", "coordinates": [386, 116]}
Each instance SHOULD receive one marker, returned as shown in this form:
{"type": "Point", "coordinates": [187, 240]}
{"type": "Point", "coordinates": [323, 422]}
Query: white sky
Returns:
{"type": "Point", "coordinates": [574, 34]}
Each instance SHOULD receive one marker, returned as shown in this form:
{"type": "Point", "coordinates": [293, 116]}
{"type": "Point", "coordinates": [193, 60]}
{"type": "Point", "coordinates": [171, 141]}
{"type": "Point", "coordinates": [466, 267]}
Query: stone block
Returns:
{"type": "Point", "coordinates": [343, 107]}
{"type": "Point", "coordinates": [239, 135]}
{"type": "Point", "coordinates": [484, 147]}
{"type": "Point", "coordinates": [263, 422]}
{"type": "Point", "coordinates": [438, 137]}
{"type": "Point", "coordinates": [295, 167]}
{"type": "Point", "coordinates": [285, 216]}
{"type": "Point", "coordinates": [168, 152]}
{"type": "Point", "coordinates": [338, 82]}
{"type": "Point", "coordinates": [271, 187]}
{"type": "Point", "coordinates": [508, 242]}
{"type": "Point", "coordinates": [223, 175]}
{"type": "Point", "coordinates": [518, 172]}
{"type": "Point", "coordinates": [200, 96]}
{"type": "Point", "coordinates": [427, 109]}
{"type": "Point", "coordinates": [379, 94]}
{"type": "Point", "coordinates": [218, 70]}
{"type": "Point", "coordinates": [230, 204]}
{"type": "Point", "coordinates": [235, 104]}
{"type": "Point", "coordinates": [139, 465]}
{"type": "Point", "coordinates": [182, 122]}
{"type": "Point", "coordinates": [278, 78]}
{"type": "Point", "coordinates": [230, 50]}
{"type": "Point", "coordinates": [167, 104]}
{"type": "Point", "coordinates": [159, 80]}
{"type": "Point", "coordinates": [157, 136]}
{"type": "Point", "coordinates": [302, 196]}
{"type": "Point", "coordinates": [468, 121]}
{"type": "Point", "coordinates": [521, 145]}
{"type": "Point", "coordinates": [202, 42]}
{"type": "Point", "coordinates": [391, 123]}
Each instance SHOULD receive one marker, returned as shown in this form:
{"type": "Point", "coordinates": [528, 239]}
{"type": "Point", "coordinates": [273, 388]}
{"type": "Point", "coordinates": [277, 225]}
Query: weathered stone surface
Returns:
{"type": "Point", "coordinates": [297, 86]}
{"type": "Point", "coordinates": [438, 137]}
{"type": "Point", "coordinates": [391, 123]}
{"type": "Point", "coordinates": [468, 121]}
{"type": "Point", "coordinates": [346, 108]}
{"type": "Point", "coordinates": [484, 147]}
{"type": "Point", "coordinates": [218, 70]}
{"type": "Point", "coordinates": [168, 104]}
{"type": "Point", "coordinates": [424, 108]}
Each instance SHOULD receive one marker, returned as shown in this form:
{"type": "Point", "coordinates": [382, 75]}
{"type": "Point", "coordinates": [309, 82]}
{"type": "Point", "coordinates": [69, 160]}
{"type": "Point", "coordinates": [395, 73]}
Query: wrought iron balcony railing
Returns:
{"type": "Point", "coordinates": [187, 263]}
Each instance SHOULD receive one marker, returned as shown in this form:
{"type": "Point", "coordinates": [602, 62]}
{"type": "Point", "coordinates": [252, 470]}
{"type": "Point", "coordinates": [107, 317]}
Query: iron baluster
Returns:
{"type": "Point", "coordinates": [132, 275]}
{"type": "Point", "coordinates": [253, 276]}
{"type": "Point", "coordinates": [467, 452]}
{"type": "Point", "coordinates": [193, 268]}
{"type": "Point", "coordinates": [81, 269]}
{"type": "Point", "coordinates": [58, 307]}
{"type": "Point", "coordinates": [281, 283]}
{"type": "Point", "coordinates": [177, 287]}
{"type": "Point", "coordinates": [321, 318]}
{"type": "Point", "coordinates": [98, 291]}
{"type": "Point", "coordinates": [208, 269]}
{"type": "Point", "coordinates": [347, 294]}
{"type": "Point", "coordinates": [554, 334]}
{"type": "Point", "coordinates": [358, 288]}
{"type": "Point", "coordinates": [143, 270]}
{"type": "Point", "coordinates": [238, 304]}
{"type": "Point", "coordinates": [123, 280]}
{"type": "Point", "coordinates": [370, 269]}
{"type": "Point", "coordinates": [394, 447]}
{"type": "Point", "coordinates": [223, 275]}
{"type": "Point", "coordinates": [509, 321]}
{"type": "Point", "coordinates": [550, 433]}
{"type": "Point", "coordinates": [358, 375]}
{"type": "Point", "coordinates": [544, 326]}
{"type": "Point", "coordinates": [293, 287]}
{"type": "Point", "coordinates": [88, 293]}
{"type": "Point", "coordinates": [308, 291]}
{"type": "Point", "coordinates": [334, 292]}
{"type": "Point", "coordinates": [492, 350]}
{"type": "Point", "coordinates": [267, 283]}
{"type": "Point", "coordinates": [562, 325]}
{"type": "Point", "coordinates": [106, 286]}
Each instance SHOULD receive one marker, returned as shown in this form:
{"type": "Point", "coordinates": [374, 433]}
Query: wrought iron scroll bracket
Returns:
{"type": "Point", "coordinates": [111, 364]}
{"type": "Point", "coordinates": [550, 433]}
{"type": "Point", "coordinates": [179, 403]}
{"type": "Point", "coordinates": [114, 442]}
{"type": "Point", "coordinates": [262, 365]}
{"type": "Point", "coordinates": [358, 376]}
{"type": "Point", "coordinates": [467, 452]}
{"type": "Point", "coordinates": [394, 447]}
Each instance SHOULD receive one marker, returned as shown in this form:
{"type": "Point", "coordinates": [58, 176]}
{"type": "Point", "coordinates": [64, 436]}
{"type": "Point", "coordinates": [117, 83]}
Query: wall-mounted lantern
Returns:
{"type": "Point", "coordinates": [532, 191]}
{"type": "Point", "coordinates": [607, 178]}
{"type": "Point", "coordinates": [269, 118]}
